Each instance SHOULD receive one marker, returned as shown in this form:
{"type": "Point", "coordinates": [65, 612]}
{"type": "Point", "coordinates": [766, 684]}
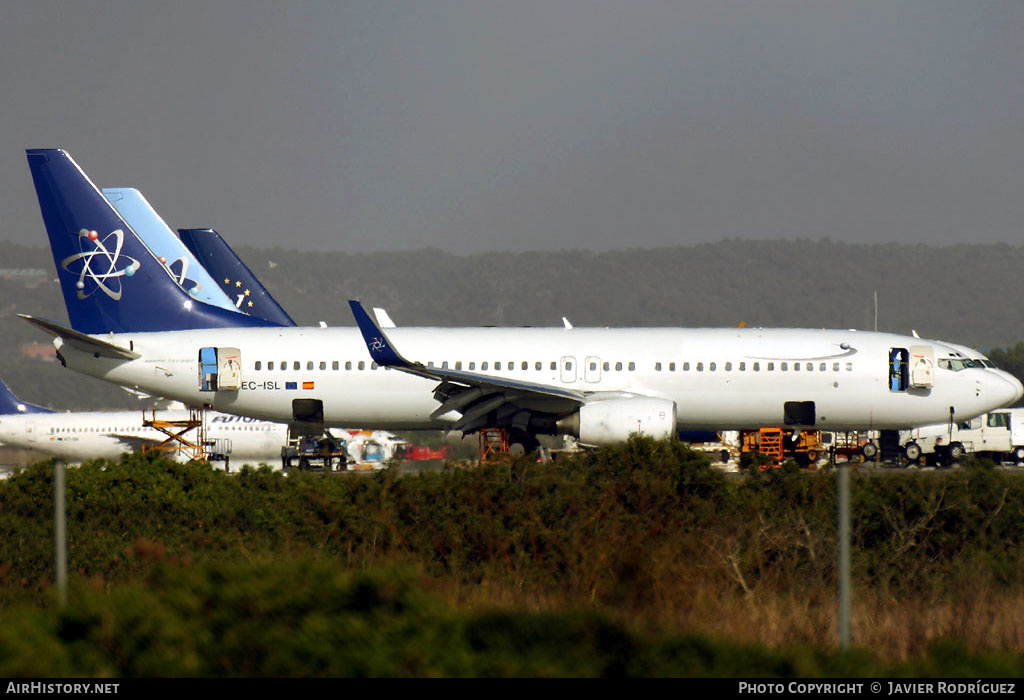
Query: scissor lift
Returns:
{"type": "Point", "coordinates": [493, 444]}
{"type": "Point", "coordinates": [179, 440]}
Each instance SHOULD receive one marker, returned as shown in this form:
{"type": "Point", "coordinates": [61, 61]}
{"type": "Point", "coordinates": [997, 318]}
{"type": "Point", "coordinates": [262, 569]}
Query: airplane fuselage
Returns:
{"type": "Point", "coordinates": [717, 378]}
{"type": "Point", "coordinates": [78, 436]}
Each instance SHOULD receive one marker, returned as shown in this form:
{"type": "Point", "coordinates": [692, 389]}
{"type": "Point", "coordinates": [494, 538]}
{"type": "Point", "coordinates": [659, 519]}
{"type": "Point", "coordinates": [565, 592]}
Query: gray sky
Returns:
{"type": "Point", "coordinates": [520, 125]}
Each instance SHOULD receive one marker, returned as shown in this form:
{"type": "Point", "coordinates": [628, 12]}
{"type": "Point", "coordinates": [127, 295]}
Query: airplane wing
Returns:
{"type": "Point", "coordinates": [468, 393]}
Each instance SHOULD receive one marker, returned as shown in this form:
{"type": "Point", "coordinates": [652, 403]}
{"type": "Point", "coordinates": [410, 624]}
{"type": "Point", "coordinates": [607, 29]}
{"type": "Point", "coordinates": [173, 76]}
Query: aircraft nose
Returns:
{"type": "Point", "coordinates": [1006, 386]}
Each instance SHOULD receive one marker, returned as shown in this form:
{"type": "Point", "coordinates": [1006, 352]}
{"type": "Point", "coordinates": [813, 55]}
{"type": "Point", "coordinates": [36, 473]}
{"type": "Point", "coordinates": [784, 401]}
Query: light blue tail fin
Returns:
{"type": "Point", "coordinates": [111, 282]}
{"type": "Point", "coordinates": [168, 249]}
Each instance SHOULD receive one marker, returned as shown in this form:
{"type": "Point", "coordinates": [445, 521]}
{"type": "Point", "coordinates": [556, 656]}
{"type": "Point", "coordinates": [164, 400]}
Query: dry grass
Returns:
{"type": "Point", "coordinates": [983, 619]}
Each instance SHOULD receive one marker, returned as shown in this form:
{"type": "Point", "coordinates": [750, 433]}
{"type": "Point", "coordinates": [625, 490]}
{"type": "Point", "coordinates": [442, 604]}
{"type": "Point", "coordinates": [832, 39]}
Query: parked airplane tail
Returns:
{"type": "Point", "coordinates": [165, 245]}
{"type": "Point", "coordinates": [111, 281]}
{"type": "Point", "coordinates": [12, 405]}
{"type": "Point", "coordinates": [237, 280]}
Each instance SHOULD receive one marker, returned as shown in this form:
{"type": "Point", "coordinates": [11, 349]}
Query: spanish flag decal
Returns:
{"type": "Point", "coordinates": [307, 385]}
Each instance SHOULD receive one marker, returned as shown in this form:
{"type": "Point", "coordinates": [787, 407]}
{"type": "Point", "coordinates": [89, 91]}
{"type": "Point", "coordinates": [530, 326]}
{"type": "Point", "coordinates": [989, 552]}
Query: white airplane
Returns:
{"type": "Point", "coordinates": [131, 324]}
{"type": "Point", "coordinates": [82, 435]}
{"type": "Point", "coordinates": [78, 436]}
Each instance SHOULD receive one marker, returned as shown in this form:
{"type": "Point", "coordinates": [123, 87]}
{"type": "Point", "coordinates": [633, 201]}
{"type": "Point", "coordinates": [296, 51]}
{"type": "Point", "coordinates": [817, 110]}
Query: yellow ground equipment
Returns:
{"type": "Point", "coordinates": [776, 444]}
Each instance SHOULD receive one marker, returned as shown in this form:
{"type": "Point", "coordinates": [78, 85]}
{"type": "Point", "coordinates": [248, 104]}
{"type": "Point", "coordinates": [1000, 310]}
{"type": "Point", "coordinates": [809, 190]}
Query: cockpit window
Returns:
{"type": "Point", "coordinates": [953, 363]}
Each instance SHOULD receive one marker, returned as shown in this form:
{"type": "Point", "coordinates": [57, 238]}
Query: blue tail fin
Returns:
{"type": "Point", "coordinates": [111, 282]}
{"type": "Point", "coordinates": [238, 281]}
{"type": "Point", "coordinates": [169, 250]}
{"type": "Point", "coordinates": [12, 405]}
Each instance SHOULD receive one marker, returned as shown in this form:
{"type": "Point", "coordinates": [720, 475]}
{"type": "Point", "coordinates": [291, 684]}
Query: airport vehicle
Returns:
{"type": "Point", "coordinates": [141, 330]}
{"type": "Point", "coordinates": [998, 435]}
{"type": "Point", "coordinates": [323, 453]}
{"type": "Point", "coordinates": [777, 444]}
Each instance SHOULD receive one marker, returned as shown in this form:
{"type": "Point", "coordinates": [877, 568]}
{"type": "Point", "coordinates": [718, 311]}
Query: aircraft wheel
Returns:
{"type": "Point", "coordinates": [912, 451]}
{"type": "Point", "coordinates": [870, 451]}
{"type": "Point", "coordinates": [1018, 455]}
{"type": "Point", "coordinates": [521, 443]}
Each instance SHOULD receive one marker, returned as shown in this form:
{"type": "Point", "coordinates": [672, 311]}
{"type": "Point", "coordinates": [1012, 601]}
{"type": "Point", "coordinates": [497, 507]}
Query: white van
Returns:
{"type": "Point", "coordinates": [999, 435]}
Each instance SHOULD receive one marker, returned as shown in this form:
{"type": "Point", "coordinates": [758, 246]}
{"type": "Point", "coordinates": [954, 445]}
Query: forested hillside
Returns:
{"type": "Point", "coordinates": [962, 293]}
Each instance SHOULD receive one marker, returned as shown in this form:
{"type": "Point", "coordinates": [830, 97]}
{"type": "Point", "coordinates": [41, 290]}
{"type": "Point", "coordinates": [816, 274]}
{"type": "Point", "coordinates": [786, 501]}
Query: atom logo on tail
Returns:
{"type": "Point", "coordinates": [181, 275]}
{"type": "Point", "coordinates": [90, 263]}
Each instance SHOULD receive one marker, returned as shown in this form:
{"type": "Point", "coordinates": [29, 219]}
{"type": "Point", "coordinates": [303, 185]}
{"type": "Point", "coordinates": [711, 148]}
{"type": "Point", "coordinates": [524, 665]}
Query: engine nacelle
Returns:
{"type": "Point", "coordinates": [614, 420]}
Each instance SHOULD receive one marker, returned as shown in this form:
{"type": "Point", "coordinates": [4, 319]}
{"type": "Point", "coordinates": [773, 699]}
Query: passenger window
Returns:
{"type": "Point", "coordinates": [796, 367]}
{"type": "Point", "coordinates": [771, 366]}
{"type": "Point", "coordinates": [743, 367]}
{"type": "Point", "coordinates": [497, 365]}
{"type": "Point", "coordinates": [618, 366]}
{"type": "Point", "coordinates": [849, 366]}
{"type": "Point", "coordinates": [323, 365]}
{"type": "Point", "coordinates": [458, 364]}
{"type": "Point", "coordinates": [686, 366]}
{"type": "Point", "coordinates": [334, 365]}
{"type": "Point", "coordinates": [537, 366]}
{"type": "Point", "coordinates": [657, 367]}
{"type": "Point", "coordinates": [362, 364]}
{"type": "Point", "coordinates": [568, 366]}
{"type": "Point", "coordinates": [348, 364]}
{"type": "Point", "coordinates": [444, 365]}
{"type": "Point", "coordinates": [784, 366]}
{"type": "Point", "coordinates": [472, 366]}
{"type": "Point", "coordinates": [554, 365]}
{"type": "Point", "coordinates": [483, 366]}
{"type": "Point", "coordinates": [632, 366]}
{"type": "Point", "coordinates": [296, 365]}
{"type": "Point", "coordinates": [822, 367]}
{"type": "Point", "coordinates": [258, 366]}
{"type": "Point", "coordinates": [712, 366]}
{"type": "Point", "coordinates": [671, 366]}
{"type": "Point", "coordinates": [700, 366]}
{"type": "Point", "coordinates": [835, 366]}
{"type": "Point", "coordinates": [525, 365]}
{"type": "Point", "coordinates": [728, 367]}
{"type": "Point", "coordinates": [284, 365]}
{"type": "Point", "coordinates": [373, 365]}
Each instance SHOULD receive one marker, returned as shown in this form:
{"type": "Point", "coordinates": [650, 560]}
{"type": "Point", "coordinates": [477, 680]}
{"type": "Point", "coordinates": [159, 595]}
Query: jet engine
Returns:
{"type": "Point", "coordinates": [614, 420]}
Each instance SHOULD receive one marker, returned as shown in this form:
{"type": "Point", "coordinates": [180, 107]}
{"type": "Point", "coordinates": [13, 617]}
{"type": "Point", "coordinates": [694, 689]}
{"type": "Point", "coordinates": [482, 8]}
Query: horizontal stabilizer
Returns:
{"type": "Point", "coordinates": [81, 341]}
